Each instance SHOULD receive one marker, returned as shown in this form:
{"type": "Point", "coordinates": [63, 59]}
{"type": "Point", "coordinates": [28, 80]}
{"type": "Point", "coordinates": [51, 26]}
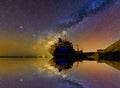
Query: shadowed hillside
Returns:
{"type": "Point", "coordinates": [114, 47]}
{"type": "Point", "coordinates": [112, 52]}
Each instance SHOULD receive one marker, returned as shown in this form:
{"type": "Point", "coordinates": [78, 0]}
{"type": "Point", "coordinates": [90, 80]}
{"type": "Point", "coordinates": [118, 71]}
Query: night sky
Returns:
{"type": "Point", "coordinates": [28, 27]}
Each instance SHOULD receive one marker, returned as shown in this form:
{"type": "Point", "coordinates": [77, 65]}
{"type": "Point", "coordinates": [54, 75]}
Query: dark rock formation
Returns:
{"type": "Point", "coordinates": [112, 52]}
{"type": "Point", "coordinates": [114, 47]}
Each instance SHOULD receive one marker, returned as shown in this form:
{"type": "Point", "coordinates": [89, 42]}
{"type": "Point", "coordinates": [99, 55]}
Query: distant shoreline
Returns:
{"type": "Point", "coordinates": [22, 56]}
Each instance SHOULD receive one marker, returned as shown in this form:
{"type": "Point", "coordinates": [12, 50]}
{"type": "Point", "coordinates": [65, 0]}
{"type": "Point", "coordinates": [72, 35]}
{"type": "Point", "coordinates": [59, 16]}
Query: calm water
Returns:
{"type": "Point", "coordinates": [45, 73]}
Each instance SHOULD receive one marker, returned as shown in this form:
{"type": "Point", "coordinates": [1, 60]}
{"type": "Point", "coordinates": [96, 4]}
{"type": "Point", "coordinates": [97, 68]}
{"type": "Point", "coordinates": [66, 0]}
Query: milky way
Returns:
{"type": "Point", "coordinates": [25, 23]}
{"type": "Point", "coordinates": [91, 8]}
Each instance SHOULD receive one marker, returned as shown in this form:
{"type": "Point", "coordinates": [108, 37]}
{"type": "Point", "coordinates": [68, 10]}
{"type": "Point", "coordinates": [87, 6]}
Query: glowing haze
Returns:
{"type": "Point", "coordinates": [29, 27]}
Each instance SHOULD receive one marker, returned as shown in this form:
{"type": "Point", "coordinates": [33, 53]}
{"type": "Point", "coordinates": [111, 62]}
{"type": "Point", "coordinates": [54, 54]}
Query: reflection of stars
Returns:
{"type": "Point", "coordinates": [21, 80]}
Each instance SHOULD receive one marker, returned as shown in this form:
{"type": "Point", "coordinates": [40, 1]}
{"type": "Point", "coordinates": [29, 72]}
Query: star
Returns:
{"type": "Point", "coordinates": [21, 27]}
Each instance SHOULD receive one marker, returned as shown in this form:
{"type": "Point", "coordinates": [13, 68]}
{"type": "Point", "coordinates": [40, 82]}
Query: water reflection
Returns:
{"type": "Point", "coordinates": [92, 73]}
{"type": "Point", "coordinates": [63, 64]}
{"type": "Point", "coordinates": [58, 72]}
{"type": "Point", "coordinates": [31, 73]}
{"type": "Point", "coordinates": [114, 64]}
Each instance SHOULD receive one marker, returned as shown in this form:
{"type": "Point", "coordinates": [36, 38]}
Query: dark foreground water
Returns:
{"type": "Point", "coordinates": [44, 73]}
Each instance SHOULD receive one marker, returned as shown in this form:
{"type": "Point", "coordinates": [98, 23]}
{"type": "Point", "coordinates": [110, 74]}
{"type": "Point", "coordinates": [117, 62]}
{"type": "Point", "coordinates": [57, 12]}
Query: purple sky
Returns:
{"type": "Point", "coordinates": [92, 24]}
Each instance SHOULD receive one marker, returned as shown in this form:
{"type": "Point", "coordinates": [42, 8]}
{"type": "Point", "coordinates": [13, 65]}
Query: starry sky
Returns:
{"type": "Point", "coordinates": [28, 27]}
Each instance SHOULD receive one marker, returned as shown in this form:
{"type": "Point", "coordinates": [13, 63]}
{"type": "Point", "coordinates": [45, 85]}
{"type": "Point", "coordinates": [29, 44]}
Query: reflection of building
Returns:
{"type": "Point", "coordinates": [61, 64]}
